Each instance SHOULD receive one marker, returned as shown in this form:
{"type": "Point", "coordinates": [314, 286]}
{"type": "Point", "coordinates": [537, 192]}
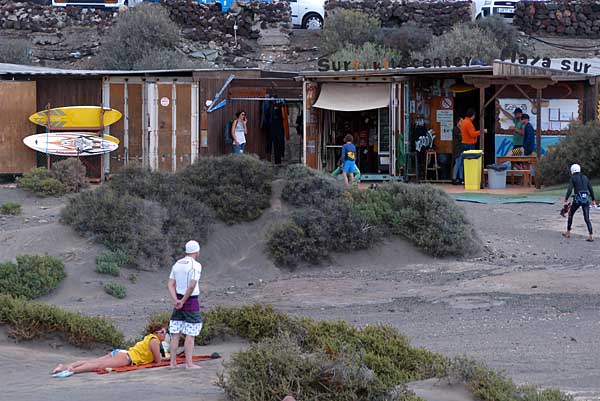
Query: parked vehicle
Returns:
{"type": "Point", "coordinates": [308, 14]}
{"type": "Point", "coordinates": [89, 3]}
{"type": "Point", "coordinates": [487, 8]}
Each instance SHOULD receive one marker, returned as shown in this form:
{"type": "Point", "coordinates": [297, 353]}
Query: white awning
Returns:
{"type": "Point", "coordinates": [353, 97]}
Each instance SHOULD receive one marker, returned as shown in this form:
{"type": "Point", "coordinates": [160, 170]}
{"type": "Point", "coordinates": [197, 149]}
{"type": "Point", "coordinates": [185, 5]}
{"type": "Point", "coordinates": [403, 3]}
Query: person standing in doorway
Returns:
{"type": "Point", "coordinates": [583, 194]}
{"type": "Point", "coordinates": [456, 148]}
{"type": "Point", "coordinates": [469, 136]}
{"type": "Point", "coordinates": [517, 129]}
{"type": "Point", "coordinates": [239, 131]}
{"type": "Point", "coordinates": [184, 291]}
{"type": "Point", "coordinates": [348, 159]}
{"type": "Point", "coordinates": [528, 136]}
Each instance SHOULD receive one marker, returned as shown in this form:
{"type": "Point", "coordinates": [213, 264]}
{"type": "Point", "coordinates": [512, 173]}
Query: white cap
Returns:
{"type": "Point", "coordinates": [192, 247]}
{"type": "Point", "coordinates": [575, 168]}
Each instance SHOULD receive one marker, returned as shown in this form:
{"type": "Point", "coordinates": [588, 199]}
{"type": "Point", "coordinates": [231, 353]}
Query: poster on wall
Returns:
{"type": "Point", "coordinates": [446, 120]}
{"type": "Point", "coordinates": [557, 114]}
{"type": "Point", "coordinates": [504, 144]}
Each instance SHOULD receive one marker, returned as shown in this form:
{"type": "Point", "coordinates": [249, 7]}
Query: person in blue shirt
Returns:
{"type": "Point", "coordinates": [348, 159]}
{"type": "Point", "coordinates": [528, 135]}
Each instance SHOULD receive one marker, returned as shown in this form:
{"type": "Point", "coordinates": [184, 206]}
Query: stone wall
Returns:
{"type": "Point", "coordinates": [438, 16]}
{"type": "Point", "coordinates": [205, 22]}
{"type": "Point", "coordinates": [202, 22]}
{"type": "Point", "coordinates": [568, 18]}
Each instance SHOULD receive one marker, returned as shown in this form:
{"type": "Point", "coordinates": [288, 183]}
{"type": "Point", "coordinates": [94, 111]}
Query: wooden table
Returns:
{"type": "Point", "coordinates": [531, 160]}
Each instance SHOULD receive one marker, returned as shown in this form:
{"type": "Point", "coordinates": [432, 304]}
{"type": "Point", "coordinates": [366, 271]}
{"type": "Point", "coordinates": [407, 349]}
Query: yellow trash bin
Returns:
{"type": "Point", "coordinates": [473, 160]}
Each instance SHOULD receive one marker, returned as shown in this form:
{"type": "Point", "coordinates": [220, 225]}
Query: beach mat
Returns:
{"type": "Point", "coordinates": [492, 199]}
{"type": "Point", "coordinates": [180, 359]}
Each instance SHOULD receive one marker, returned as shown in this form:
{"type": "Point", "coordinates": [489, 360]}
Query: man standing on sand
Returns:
{"type": "Point", "coordinates": [468, 142]}
{"type": "Point", "coordinates": [184, 290]}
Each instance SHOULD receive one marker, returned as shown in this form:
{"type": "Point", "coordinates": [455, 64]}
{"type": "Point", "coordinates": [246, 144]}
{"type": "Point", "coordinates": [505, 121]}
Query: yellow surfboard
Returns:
{"type": "Point", "coordinates": [76, 118]}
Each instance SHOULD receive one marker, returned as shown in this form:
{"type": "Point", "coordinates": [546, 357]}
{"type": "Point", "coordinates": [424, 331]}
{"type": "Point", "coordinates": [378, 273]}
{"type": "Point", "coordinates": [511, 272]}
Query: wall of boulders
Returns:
{"type": "Point", "coordinates": [439, 17]}
{"type": "Point", "coordinates": [206, 22]}
{"type": "Point", "coordinates": [560, 18]}
{"type": "Point", "coordinates": [202, 22]}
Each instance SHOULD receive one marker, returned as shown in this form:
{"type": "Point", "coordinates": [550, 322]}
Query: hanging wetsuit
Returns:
{"type": "Point", "coordinates": [277, 132]}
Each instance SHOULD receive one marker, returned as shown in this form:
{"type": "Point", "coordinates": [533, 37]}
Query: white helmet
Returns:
{"type": "Point", "coordinates": [575, 168]}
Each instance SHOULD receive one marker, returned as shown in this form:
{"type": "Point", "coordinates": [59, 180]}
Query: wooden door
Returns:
{"type": "Point", "coordinates": [17, 102]}
{"type": "Point", "coordinates": [442, 121]}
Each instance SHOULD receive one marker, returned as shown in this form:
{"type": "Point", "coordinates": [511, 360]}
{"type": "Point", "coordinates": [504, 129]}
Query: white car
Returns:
{"type": "Point", "coordinates": [487, 8]}
{"type": "Point", "coordinates": [308, 14]}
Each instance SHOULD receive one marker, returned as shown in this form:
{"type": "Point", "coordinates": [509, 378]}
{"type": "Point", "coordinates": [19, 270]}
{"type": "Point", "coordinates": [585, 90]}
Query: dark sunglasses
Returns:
{"type": "Point", "coordinates": [162, 331]}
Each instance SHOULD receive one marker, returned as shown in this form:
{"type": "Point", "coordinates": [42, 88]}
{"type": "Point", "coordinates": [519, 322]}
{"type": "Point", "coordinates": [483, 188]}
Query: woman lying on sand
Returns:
{"type": "Point", "coordinates": [143, 352]}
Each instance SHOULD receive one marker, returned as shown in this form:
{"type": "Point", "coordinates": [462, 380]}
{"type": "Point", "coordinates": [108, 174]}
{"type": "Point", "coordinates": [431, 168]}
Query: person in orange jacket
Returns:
{"type": "Point", "coordinates": [469, 142]}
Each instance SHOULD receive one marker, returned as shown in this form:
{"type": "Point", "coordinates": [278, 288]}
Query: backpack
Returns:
{"type": "Point", "coordinates": [582, 197]}
{"type": "Point", "coordinates": [228, 139]}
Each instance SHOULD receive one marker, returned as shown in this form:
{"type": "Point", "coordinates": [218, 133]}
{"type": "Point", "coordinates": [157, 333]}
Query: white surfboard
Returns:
{"type": "Point", "coordinates": [71, 143]}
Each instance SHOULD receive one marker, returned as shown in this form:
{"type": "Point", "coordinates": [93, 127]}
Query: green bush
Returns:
{"type": "Point", "coordinates": [367, 53]}
{"type": "Point", "coordinates": [10, 208]}
{"type": "Point", "coordinates": [409, 37]}
{"type": "Point", "coordinates": [422, 214]}
{"type": "Point", "coordinates": [146, 29]}
{"type": "Point", "coordinates": [41, 183]}
{"type": "Point", "coordinates": [237, 187]}
{"type": "Point", "coordinates": [505, 35]}
{"type": "Point", "coordinates": [187, 218]}
{"type": "Point", "coordinates": [348, 27]}
{"type": "Point", "coordinates": [15, 51]}
{"type": "Point", "coordinates": [307, 187]}
{"type": "Point", "coordinates": [32, 276]}
{"type": "Point", "coordinates": [110, 262]}
{"type": "Point", "coordinates": [122, 223]}
{"type": "Point", "coordinates": [71, 173]}
{"type": "Point", "coordinates": [29, 320]}
{"type": "Point", "coordinates": [115, 289]}
{"type": "Point", "coordinates": [579, 146]}
{"type": "Point", "coordinates": [143, 183]}
{"type": "Point", "coordinates": [465, 41]}
{"type": "Point", "coordinates": [167, 59]}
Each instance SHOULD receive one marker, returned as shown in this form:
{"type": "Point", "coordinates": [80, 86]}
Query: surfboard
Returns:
{"type": "Point", "coordinates": [76, 117]}
{"type": "Point", "coordinates": [71, 143]}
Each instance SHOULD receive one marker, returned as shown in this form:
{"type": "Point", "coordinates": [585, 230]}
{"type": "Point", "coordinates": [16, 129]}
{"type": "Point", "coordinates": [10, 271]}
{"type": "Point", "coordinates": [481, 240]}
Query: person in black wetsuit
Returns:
{"type": "Point", "coordinates": [583, 194]}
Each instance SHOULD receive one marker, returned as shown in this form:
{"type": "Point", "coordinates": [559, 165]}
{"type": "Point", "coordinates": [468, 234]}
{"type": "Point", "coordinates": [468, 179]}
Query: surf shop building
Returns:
{"type": "Point", "coordinates": [389, 110]}
{"type": "Point", "coordinates": [170, 118]}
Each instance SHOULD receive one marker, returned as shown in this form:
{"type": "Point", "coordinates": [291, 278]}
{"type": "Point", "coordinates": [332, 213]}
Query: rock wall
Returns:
{"type": "Point", "coordinates": [205, 22]}
{"type": "Point", "coordinates": [437, 16]}
{"type": "Point", "coordinates": [564, 18]}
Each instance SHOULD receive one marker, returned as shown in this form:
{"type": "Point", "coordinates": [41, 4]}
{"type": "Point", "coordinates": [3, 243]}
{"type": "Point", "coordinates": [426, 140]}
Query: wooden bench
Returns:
{"type": "Point", "coordinates": [525, 174]}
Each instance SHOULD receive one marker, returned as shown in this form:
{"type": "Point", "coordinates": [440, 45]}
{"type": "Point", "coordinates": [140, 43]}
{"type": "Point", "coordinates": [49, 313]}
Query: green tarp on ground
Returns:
{"type": "Point", "coordinates": [491, 199]}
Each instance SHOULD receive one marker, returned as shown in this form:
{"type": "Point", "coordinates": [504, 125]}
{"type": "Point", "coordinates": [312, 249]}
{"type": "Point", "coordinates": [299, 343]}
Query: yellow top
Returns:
{"type": "Point", "coordinates": [140, 353]}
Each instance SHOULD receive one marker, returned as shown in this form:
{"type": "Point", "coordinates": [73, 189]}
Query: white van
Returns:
{"type": "Point", "coordinates": [89, 3]}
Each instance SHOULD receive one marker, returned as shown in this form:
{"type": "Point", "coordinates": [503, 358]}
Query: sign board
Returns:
{"type": "Point", "coordinates": [557, 114]}
{"type": "Point", "coordinates": [164, 101]}
{"type": "Point", "coordinates": [504, 144]}
{"type": "Point", "coordinates": [446, 120]}
{"type": "Point", "coordinates": [447, 103]}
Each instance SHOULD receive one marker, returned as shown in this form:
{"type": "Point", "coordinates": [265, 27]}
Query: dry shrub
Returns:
{"type": "Point", "coordinates": [348, 27]}
{"type": "Point", "coordinates": [143, 183]}
{"type": "Point", "coordinates": [463, 40]}
{"type": "Point", "coordinates": [187, 218]}
{"type": "Point", "coordinates": [409, 37]}
{"type": "Point", "coordinates": [15, 51]}
{"type": "Point", "coordinates": [32, 276]}
{"type": "Point", "coordinates": [307, 187]}
{"type": "Point", "coordinates": [41, 183]}
{"type": "Point", "coordinates": [422, 214]}
{"type": "Point", "coordinates": [367, 53]}
{"type": "Point", "coordinates": [71, 173]}
{"type": "Point", "coordinates": [28, 320]}
{"type": "Point", "coordinates": [167, 59]}
{"type": "Point", "coordinates": [237, 187]}
{"type": "Point", "coordinates": [138, 32]}
{"type": "Point", "coordinates": [505, 35]}
{"type": "Point", "coordinates": [579, 146]}
{"type": "Point", "coordinates": [121, 222]}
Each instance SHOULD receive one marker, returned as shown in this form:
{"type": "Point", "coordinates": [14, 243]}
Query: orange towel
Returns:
{"type": "Point", "coordinates": [180, 359]}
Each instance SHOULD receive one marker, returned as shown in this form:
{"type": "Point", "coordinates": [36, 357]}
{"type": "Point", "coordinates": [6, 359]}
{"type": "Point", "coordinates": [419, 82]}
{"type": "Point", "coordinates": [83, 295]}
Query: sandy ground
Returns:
{"type": "Point", "coordinates": [529, 305]}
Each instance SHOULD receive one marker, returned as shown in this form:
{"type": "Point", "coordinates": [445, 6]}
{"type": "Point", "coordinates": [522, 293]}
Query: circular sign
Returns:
{"type": "Point", "coordinates": [447, 103]}
{"type": "Point", "coordinates": [164, 101]}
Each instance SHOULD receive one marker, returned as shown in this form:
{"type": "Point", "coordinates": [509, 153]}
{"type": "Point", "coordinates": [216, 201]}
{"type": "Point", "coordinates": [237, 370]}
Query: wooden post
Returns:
{"type": "Point", "coordinates": [482, 129]}
{"type": "Point", "coordinates": [538, 133]}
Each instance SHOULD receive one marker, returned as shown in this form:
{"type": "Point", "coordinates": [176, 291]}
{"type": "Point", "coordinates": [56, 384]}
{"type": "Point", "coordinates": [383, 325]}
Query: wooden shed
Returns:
{"type": "Point", "coordinates": [167, 123]}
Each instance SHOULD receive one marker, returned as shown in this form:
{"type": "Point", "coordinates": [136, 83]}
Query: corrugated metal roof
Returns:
{"type": "Point", "coordinates": [16, 69]}
{"type": "Point", "coordinates": [397, 71]}
{"type": "Point", "coordinates": [556, 65]}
